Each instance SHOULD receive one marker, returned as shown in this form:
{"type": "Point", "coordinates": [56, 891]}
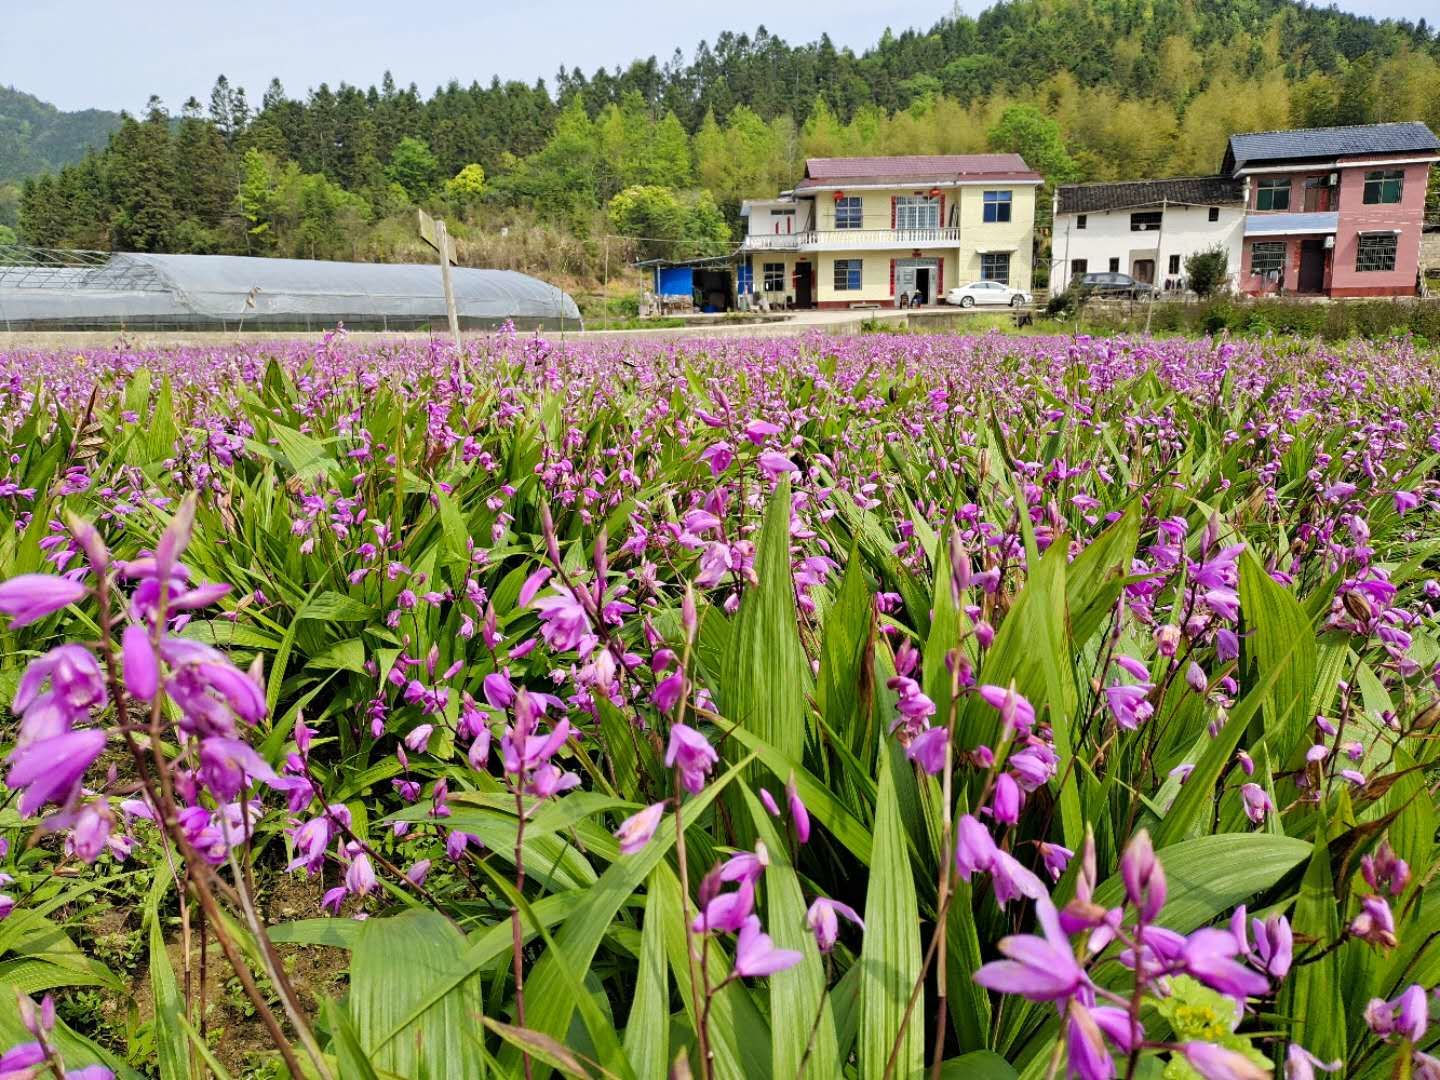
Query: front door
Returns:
{"type": "Point", "coordinates": [1312, 264]}
{"type": "Point", "coordinates": [922, 285]}
{"type": "Point", "coordinates": [804, 285]}
{"type": "Point", "coordinates": [1143, 270]}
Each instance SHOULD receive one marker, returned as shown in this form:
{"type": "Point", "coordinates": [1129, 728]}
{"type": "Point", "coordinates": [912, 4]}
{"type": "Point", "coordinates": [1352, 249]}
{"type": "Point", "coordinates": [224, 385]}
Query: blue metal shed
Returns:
{"type": "Point", "coordinates": [674, 280]}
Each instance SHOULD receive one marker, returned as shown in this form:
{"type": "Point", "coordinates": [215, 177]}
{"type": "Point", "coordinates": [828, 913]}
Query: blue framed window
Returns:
{"type": "Point", "coordinates": [848, 212]}
{"type": "Point", "coordinates": [847, 274]}
{"type": "Point", "coordinates": [997, 206]}
{"type": "Point", "coordinates": [995, 266]}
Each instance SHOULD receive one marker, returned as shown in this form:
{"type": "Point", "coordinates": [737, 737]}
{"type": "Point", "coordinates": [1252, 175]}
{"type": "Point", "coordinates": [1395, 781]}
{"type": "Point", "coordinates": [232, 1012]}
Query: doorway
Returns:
{"type": "Point", "coordinates": [922, 286]}
{"type": "Point", "coordinates": [804, 285]}
{"type": "Point", "coordinates": [1143, 270]}
{"type": "Point", "coordinates": [915, 278]}
{"type": "Point", "coordinates": [1312, 265]}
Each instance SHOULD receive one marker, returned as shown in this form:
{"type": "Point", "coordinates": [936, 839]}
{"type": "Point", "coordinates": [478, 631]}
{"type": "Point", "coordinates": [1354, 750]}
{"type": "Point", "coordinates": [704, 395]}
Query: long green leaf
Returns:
{"type": "Point", "coordinates": [890, 956]}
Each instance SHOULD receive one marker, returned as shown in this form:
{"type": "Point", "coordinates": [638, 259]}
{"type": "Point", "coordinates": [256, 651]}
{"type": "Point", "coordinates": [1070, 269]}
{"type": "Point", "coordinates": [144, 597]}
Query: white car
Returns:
{"type": "Point", "coordinates": [986, 292]}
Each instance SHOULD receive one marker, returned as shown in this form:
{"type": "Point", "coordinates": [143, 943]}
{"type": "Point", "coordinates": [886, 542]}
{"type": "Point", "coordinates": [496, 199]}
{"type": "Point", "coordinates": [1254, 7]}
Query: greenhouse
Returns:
{"type": "Point", "coordinates": [42, 289]}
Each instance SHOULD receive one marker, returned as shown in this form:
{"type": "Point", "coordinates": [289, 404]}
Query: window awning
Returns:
{"type": "Point", "coordinates": [1317, 223]}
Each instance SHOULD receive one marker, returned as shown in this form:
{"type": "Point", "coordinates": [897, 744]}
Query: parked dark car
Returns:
{"type": "Point", "coordinates": [1103, 285]}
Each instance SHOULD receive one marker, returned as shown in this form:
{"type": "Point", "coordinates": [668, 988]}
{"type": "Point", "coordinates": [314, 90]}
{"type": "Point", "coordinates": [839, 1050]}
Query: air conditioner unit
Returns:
{"type": "Point", "coordinates": [1329, 242]}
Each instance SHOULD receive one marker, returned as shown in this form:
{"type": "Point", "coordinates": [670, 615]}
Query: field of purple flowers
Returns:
{"type": "Point", "coordinates": [880, 707]}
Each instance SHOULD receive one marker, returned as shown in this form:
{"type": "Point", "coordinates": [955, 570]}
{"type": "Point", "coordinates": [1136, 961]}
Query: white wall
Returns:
{"type": "Point", "coordinates": [1107, 235]}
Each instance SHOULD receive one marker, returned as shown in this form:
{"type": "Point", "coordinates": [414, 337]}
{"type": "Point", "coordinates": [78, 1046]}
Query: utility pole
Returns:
{"type": "Point", "coordinates": [1159, 239]}
{"type": "Point", "coordinates": [434, 233]}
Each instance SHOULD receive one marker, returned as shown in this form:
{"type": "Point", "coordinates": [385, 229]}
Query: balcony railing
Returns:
{"type": "Point", "coordinates": [855, 239]}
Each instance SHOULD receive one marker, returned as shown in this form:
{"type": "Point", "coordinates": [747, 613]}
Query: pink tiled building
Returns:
{"type": "Point", "coordinates": [1333, 211]}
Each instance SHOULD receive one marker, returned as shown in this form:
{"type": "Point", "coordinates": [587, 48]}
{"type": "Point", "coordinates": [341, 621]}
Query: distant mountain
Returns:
{"type": "Point", "coordinates": [36, 137]}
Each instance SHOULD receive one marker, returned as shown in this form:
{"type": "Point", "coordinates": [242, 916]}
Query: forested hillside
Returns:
{"type": "Point", "coordinates": [534, 175]}
{"type": "Point", "coordinates": [36, 137]}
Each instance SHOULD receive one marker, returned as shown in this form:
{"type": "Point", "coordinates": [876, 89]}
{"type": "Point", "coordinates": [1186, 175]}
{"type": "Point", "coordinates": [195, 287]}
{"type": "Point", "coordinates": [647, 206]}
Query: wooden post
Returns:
{"type": "Point", "coordinates": [1159, 239]}
{"type": "Point", "coordinates": [442, 243]}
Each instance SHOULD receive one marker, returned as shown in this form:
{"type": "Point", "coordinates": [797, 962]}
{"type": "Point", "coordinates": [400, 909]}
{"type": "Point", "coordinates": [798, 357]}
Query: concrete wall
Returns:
{"type": "Point", "coordinates": [1404, 217]}
{"type": "Point", "coordinates": [1107, 235]}
{"type": "Point", "coordinates": [875, 276]}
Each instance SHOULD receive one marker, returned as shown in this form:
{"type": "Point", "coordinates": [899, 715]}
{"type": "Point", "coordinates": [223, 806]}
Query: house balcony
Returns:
{"type": "Point", "coordinates": [1315, 223]}
{"type": "Point", "coordinates": [852, 239]}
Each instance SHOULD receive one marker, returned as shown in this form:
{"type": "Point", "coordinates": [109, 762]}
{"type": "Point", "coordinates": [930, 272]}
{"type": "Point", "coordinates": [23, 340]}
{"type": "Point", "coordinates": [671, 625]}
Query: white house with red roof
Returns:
{"type": "Point", "coordinates": [866, 231]}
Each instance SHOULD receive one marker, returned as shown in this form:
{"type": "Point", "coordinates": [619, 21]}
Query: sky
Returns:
{"type": "Point", "coordinates": [113, 54]}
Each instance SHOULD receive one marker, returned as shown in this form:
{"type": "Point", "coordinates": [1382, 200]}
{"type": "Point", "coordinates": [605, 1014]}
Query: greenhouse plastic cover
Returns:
{"type": "Point", "coordinates": [229, 289]}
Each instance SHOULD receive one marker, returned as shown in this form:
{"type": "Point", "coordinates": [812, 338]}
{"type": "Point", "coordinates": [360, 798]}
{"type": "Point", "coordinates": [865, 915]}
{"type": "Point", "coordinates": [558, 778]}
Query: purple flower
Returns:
{"type": "Point", "coordinates": [669, 691]}
{"type": "Point", "coordinates": [821, 918]}
{"type": "Point", "coordinates": [1405, 501]}
{"type": "Point", "coordinates": [1208, 957]}
{"type": "Point", "coordinates": [49, 770]}
{"type": "Point", "coordinates": [419, 737]}
{"type": "Point", "coordinates": [1217, 1063]}
{"type": "Point", "coordinates": [1227, 645]}
{"type": "Point", "coordinates": [1056, 859]}
{"type": "Point", "coordinates": [974, 848]}
{"type": "Point", "coordinates": [1085, 1045]}
{"type": "Point", "coordinates": [635, 831]}
{"type": "Point", "coordinates": [756, 955]}
{"type": "Point", "coordinates": [1274, 944]}
{"type": "Point", "coordinates": [360, 875]}
{"type": "Point", "coordinates": [1006, 800]}
{"type": "Point", "coordinates": [1407, 1015]}
{"type": "Point", "coordinates": [418, 872]}
{"type": "Point", "coordinates": [1143, 876]}
{"type": "Point", "coordinates": [774, 464]}
{"type": "Point", "coordinates": [799, 816]}
{"type": "Point", "coordinates": [1012, 881]}
{"type": "Point", "coordinates": [1038, 968]}
{"type": "Point", "coordinates": [692, 754]}
{"type": "Point", "coordinates": [728, 911]}
{"type": "Point", "coordinates": [1015, 710]}
{"type": "Point", "coordinates": [228, 765]}
{"type": "Point", "coordinates": [771, 806]}
{"type": "Point", "coordinates": [563, 622]}
{"type": "Point", "coordinates": [1300, 1064]}
{"type": "Point", "coordinates": [1195, 678]}
{"type": "Point", "coordinates": [930, 749]}
{"type": "Point", "coordinates": [1257, 802]}
{"type": "Point", "coordinates": [142, 670]}
{"type": "Point", "coordinates": [27, 598]}
{"type": "Point", "coordinates": [1224, 602]}
{"type": "Point", "coordinates": [1374, 923]}
{"type": "Point", "coordinates": [1129, 704]}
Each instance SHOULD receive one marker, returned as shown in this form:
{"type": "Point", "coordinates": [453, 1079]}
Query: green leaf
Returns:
{"type": "Point", "coordinates": [395, 964]}
{"type": "Point", "coordinates": [890, 956]}
{"type": "Point", "coordinates": [1209, 876]}
{"type": "Point", "coordinates": [1313, 994]}
{"type": "Point", "coordinates": [549, 1006]}
{"type": "Point", "coordinates": [335, 607]}
{"type": "Point", "coordinates": [1097, 576]}
{"type": "Point", "coordinates": [647, 1030]}
{"type": "Point", "coordinates": [345, 1045]}
{"type": "Point", "coordinates": [765, 674]}
{"type": "Point", "coordinates": [979, 1065]}
{"type": "Point", "coordinates": [540, 1047]}
{"type": "Point", "coordinates": [798, 1002]}
{"type": "Point", "coordinates": [1187, 813]}
{"type": "Point", "coordinates": [844, 681]}
{"type": "Point", "coordinates": [1280, 641]}
{"type": "Point", "coordinates": [172, 1045]}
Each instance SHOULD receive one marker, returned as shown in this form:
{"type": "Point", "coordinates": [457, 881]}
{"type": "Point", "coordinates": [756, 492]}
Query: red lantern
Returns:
{"type": "Point", "coordinates": [839, 195]}
{"type": "Point", "coordinates": [934, 191]}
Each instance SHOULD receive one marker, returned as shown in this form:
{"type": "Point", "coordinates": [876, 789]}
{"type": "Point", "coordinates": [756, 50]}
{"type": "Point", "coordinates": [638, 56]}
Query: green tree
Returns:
{"type": "Point", "coordinates": [1025, 130]}
{"type": "Point", "coordinates": [654, 216]}
{"type": "Point", "coordinates": [256, 201]}
{"type": "Point", "coordinates": [7, 236]}
{"type": "Point", "coordinates": [141, 175]}
{"type": "Point", "coordinates": [705, 232]}
{"type": "Point", "coordinates": [414, 167]}
{"type": "Point", "coordinates": [1206, 271]}
{"type": "Point", "coordinates": [465, 187]}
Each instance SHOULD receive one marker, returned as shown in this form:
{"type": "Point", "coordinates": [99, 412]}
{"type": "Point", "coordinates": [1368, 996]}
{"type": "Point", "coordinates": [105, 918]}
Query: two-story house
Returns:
{"type": "Point", "coordinates": [873, 230]}
{"type": "Point", "coordinates": [1334, 211]}
{"type": "Point", "coordinates": [1318, 211]}
{"type": "Point", "coordinates": [1146, 228]}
